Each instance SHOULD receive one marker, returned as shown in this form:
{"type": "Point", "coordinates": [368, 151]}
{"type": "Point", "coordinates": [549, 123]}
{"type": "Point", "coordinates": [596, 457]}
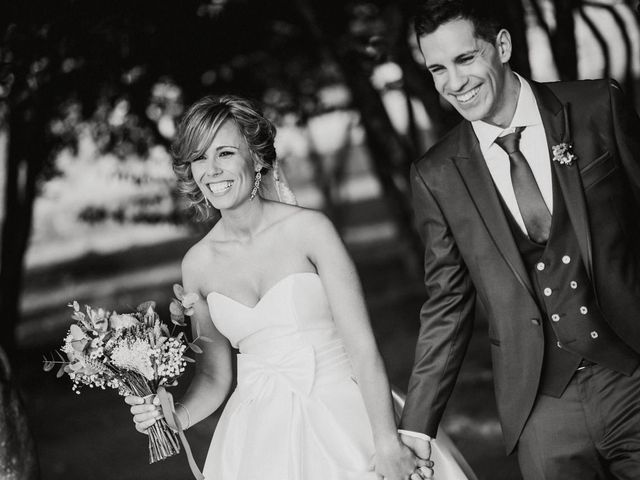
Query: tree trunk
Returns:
{"type": "Point", "coordinates": [389, 153]}
{"type": "Point", "coordinates": [18, 459]}
{"type": "Point", "coordinates": [4, 159]}
{"type": "Point", "coordinates": [417, 80]}
{"type": "Point", "coordinates": [514, 12]}
{"type": "Point", "coordinates": [24, 164]}
{"type": "Point", "coordinates": [563, 40]}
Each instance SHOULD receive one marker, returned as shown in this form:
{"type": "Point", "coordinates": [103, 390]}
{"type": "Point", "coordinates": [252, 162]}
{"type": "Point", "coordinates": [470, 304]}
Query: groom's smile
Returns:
{"type": "Point", "coordinates": [471, 72]}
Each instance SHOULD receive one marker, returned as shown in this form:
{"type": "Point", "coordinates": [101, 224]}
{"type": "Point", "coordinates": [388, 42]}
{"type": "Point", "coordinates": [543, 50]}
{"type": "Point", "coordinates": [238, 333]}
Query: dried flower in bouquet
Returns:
{"type": "Point", "coordinates": [134, 353]}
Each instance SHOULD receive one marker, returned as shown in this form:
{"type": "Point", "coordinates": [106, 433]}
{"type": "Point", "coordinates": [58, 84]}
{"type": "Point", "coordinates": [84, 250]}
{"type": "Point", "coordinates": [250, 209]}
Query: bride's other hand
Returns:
{"type": "Point", "coordinates": [144, 414]}
{"type": "Point", "coordinates": [395, 461]}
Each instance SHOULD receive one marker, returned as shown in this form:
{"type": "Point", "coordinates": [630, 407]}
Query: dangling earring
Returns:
{"type": "Point", "coordinates": [256, 185]}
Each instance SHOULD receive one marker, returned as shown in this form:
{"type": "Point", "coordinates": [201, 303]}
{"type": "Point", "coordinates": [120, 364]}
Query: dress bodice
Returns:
{"type": "Point", "coordinates": [297, 412]}
{"type": "Point", "coordinates": [294, 311]}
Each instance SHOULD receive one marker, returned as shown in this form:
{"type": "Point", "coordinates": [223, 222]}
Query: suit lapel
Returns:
{"type": "Point", "coordinates": [475, 174]}
{"type": "Point", "coordinates": [568, 176]}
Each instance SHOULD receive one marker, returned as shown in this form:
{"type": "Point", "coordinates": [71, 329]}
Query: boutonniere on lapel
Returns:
{"type": "Point", "coordinates": [563, 152]}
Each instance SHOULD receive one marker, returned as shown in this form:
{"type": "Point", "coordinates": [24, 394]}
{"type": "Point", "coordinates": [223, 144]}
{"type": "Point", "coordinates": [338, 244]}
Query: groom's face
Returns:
{"type": "Point", "coordinates": [468, 71]}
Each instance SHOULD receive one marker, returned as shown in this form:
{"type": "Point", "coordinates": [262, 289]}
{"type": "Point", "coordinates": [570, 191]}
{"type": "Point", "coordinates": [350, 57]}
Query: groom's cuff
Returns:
{"type": "Point", "coordinates": [409, 433]}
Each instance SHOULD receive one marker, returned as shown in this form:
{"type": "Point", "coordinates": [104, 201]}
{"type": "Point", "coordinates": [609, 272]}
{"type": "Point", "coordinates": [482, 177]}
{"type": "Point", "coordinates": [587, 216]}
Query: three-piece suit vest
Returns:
{"type": "Point", "coordinates": [575, 329]}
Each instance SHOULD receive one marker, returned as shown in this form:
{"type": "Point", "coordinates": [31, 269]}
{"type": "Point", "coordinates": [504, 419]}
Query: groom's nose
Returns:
{"type": "Point", "coordinates": [456, 80]}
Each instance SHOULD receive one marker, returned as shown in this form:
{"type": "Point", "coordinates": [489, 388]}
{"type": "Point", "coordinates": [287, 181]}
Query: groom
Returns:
{"type": "Point", "coordinates": [530, 211]}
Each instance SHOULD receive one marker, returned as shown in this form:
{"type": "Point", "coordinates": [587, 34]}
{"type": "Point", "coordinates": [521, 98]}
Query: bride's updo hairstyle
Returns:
{"type": "Point", "coordinates": [195, 135]}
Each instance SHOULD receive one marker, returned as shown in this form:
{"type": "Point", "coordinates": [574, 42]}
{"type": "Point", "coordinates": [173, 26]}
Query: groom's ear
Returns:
{"type": "Point", "coordinates": [503, 45]}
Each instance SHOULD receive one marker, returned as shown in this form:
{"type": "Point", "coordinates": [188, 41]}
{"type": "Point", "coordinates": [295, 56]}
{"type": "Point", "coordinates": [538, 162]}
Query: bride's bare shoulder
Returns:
{"type": "Point", "coordinates": [307, 223]}
{"type": "Point", "coordinates": [198, 257]}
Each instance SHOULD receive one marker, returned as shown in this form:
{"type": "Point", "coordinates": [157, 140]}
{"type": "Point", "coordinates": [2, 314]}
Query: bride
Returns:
{"type": "Point", "coordinates": [312, 399]}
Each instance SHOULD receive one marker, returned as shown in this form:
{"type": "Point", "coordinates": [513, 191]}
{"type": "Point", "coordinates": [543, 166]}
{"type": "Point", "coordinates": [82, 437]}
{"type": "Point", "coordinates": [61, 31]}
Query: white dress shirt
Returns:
{"type": "Point", "coordinates": [533, 145]}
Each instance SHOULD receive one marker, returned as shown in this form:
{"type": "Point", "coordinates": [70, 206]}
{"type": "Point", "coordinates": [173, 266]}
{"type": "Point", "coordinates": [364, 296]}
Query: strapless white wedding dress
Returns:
{"type": "Point", "coordinates": [297, 412]}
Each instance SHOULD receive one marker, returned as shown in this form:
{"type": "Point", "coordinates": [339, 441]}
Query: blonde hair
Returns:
{"type": "Point", "coordinates": [199, 126]}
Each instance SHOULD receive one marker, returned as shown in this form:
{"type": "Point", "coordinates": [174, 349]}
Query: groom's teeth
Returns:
{"type": "Point", "coordinates": [220, 187]}
{"type": "Point", "coordinates": [468, 96]}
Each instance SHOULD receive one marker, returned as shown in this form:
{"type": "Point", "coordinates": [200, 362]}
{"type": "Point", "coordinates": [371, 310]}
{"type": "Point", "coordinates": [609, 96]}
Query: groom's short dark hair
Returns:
{"type": "Point", "coordinates": [486, 19]}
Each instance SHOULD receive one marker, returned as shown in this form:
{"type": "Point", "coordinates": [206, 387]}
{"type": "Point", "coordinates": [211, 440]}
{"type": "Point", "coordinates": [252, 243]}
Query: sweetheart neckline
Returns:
{"type": "Point", "coordinates": [265, 294]}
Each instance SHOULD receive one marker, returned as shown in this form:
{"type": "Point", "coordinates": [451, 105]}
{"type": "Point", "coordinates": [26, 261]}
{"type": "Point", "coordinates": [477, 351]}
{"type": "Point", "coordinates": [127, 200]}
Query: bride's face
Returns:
{"type": "Point", "coordinates": [226, 172]}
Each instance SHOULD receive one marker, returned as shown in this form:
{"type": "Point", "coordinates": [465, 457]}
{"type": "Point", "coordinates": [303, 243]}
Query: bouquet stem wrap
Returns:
{"type": "Point", "coordinates": [163, 441]}
{"type": "Point", "coordinates": [169, 412]}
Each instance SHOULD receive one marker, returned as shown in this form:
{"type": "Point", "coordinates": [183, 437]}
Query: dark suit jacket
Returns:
{"type": "Point", "coordinates": [471, 255]}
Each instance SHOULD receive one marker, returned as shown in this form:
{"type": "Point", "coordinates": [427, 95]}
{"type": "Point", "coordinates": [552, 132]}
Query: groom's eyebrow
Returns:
{"type": "Point", "coordinates": [465, 55]}
{"type": "Point", "coordinates": [458, 59]}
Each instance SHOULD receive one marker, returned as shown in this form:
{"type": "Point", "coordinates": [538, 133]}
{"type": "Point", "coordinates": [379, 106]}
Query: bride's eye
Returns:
{"type": "Point", "coordinates": [201, 157]}
{"type": "Point", "coordinates": [225, 153]}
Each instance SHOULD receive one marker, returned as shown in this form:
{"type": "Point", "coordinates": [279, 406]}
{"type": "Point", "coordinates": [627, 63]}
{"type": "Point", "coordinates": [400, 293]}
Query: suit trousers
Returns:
{"type": "Point", "coordinates": [591, 432]}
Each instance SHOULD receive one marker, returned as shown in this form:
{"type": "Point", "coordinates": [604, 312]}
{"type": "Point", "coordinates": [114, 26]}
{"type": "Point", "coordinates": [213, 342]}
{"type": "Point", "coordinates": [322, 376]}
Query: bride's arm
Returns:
{"type": "Point", "coordinates": [340, 280]}
{"type": "Point", "coordinates": [213, 371]}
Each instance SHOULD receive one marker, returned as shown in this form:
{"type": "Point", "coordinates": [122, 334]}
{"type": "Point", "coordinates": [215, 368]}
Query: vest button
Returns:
{"type": "Point", "coordinates": [566, 259]}
{"type": "Point", "coordinates": [583, 310]}
{"type": "Point", "coordinates": [555, 317]}
{"type": "Point", "coordinates": [594, 334]}
{"type": "Point", "coordinates": [573, 284]}
{"type": "Point", "coordinates": [540, 266]}
{"type": "Point", "coordinates": [535, 321]}
{"type": "Point", "coordinates": [559, 345]}
{"type": "Point", "coordinates": [547, 292]}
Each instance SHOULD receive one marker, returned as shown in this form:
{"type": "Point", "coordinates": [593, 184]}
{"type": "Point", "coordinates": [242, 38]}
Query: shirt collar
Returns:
{"type": "Point", "coordinates": [526, 115]}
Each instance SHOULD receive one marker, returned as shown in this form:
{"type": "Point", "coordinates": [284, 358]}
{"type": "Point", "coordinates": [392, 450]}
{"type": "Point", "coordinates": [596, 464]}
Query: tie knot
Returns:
{"type": "Point", "coordinates": [510, 143]}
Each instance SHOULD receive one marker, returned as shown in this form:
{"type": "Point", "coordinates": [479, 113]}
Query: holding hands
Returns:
{"type": "Point", "coordinates": [396, 460]}
{"type": "Point", "coordinates": [422, 449]}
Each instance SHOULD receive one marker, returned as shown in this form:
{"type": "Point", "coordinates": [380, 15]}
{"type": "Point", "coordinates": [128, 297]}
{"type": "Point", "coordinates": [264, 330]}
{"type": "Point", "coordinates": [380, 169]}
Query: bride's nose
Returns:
{"type": "Point", "coordinates": [213, 169]}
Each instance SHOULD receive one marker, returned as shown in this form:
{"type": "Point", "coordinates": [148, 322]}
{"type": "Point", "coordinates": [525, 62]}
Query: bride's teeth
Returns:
{"type": "Point", "coordinates": [220, 187]}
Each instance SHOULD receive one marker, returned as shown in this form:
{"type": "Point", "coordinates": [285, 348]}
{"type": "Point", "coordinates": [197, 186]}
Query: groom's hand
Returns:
{"type": "Point", "coordinates": [421, 448]}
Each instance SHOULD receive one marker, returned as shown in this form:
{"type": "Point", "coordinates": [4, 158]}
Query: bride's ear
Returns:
{"type": "Point", "coordinates": [258, 164]}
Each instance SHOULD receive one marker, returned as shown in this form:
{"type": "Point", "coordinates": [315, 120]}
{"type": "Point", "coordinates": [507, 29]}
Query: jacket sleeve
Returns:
{"type": "Point", "coordinates": [446, 318]}
{"type": "Point", "coordinates": [626, 128]}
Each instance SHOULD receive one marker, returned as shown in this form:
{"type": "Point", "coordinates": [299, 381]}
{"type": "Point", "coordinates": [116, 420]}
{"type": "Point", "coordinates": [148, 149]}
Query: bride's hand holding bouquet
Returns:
{"type": "Point", "coordinates": [136, 354]}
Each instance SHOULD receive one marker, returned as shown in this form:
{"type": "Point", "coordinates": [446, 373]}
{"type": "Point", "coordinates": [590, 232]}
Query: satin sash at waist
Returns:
{"type": "Point", "coordinates": [299, 369]}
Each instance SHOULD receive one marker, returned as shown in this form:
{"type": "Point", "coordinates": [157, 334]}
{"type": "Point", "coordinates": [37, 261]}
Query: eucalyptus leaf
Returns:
{"type": "Point", "coordinates": [178, 291]}
{"type": "Point", "coordinates": [60, 372]}
{"type": "Point", "coordinates": [205, 339]}
{"type": "Point", "coordinates": [48, 366]}
{"type": "Point", "coordinates": [188, 359]}
{"type": "Point", "coordinates": [178, 321]}
{"type": "Point", "coordinates": [190, 298]}
{"type": "Point", "coordinates": [195, 348]}
{"type": "Point", "coordinates": [76, 332]}
{"type": "Point", "coordinates": [175, 308]}
{"type": "Point", "coordinates": [78, 345]}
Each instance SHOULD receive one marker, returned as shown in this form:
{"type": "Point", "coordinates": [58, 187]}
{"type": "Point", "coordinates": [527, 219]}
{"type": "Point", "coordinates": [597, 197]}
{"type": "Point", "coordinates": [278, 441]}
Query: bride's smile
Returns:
{"type": "Point", "coordinates": [226, 171]}
{"type": "Point", "coordinates": [220, 188]}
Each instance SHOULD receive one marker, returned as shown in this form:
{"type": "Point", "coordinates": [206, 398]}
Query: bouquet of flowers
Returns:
{"type": "Point", "coordinates": [134, 353]}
